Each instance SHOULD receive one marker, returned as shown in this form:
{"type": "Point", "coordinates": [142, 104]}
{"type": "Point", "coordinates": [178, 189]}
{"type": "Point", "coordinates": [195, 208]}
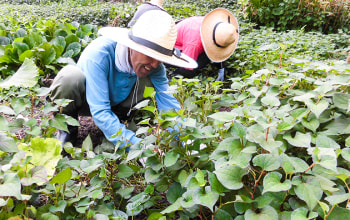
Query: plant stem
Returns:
{"type": "Point", "coordinates": [307, 169]}
{"type": "Point", "coordinates": [325, 218]}
{"type": "Point", "coordinates": [256, 183]}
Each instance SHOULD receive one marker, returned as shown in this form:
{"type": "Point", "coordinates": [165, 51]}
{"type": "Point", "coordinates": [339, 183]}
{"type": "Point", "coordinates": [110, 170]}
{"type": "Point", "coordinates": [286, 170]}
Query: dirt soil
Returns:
{"type": "Point", "coordinates": [87, 126]}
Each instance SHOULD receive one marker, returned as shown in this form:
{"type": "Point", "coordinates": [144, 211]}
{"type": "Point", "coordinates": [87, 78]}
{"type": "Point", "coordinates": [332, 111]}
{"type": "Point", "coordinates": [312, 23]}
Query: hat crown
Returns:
{"type": "Point", "coordinates": [157, 27]}
{"type": "Point", "coordinates": [157, 2]}
{"type": "Point", "coordinates": [219, 34]}
{"type": "Point", "coordinates": [225, 34]}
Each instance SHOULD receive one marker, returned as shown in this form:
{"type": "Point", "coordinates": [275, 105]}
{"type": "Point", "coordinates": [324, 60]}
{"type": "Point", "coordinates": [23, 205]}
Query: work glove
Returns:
{"type": "Point", "coordinates": [221, 75]}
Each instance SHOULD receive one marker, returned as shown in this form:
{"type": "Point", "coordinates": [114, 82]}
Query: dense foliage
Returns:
{"type": "Point", "coordinates": [271, 142]}
{"type": "Point", "coordinates": [318, 15]}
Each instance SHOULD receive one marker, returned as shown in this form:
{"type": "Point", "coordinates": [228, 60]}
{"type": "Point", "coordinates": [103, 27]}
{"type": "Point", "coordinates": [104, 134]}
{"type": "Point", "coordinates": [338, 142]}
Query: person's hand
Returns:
{"type": "Point", "coordinates": [221, 75]}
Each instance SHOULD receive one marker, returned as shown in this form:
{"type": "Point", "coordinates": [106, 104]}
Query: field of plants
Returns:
{"type": "Point", "coordinates": [270, 142]}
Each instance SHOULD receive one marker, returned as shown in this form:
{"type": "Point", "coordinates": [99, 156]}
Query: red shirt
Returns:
{"type": "Point", "coordinates": [189, 37]}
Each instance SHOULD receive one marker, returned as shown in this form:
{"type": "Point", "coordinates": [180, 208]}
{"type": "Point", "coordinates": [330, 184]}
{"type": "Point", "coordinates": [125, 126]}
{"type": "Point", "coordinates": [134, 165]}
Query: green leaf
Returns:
{"type": "Point", "coordinates": [124, 171]}
{"type": "Point", "coordinates": [24, 77]}
{"type": "Point", "coordinates": [205, 197]}
{"type": "Point", "coordinates": [223, 116]}
{"type": "Point", "coordinates": [313, 124]}
{"type": "Point", "coordinates": [87, 144]}
{"type": "Point", "coordinates": [238, 129]}
{"type": "Point", "coordinates": [318, 108]}
{"type": "Point", "coordinates": [175, 191]}
{"type": "Point", "coordinates": [37, 175]}
{"type": "Point", "coordinates": [309, 191]}
{"type": "Point", "coordinates": [223, 215]}
{"type": "Point", "coordinates": [284, 126]}
{"type": "Point", "coordinates": [215, 184]}
{"type": "Point", "coordinates": [75, 47]}
{"type": "Point", "coordinates": [200, 178]}
{"type": "Point", "coordinates": [46, 54]}
{"type": "Point", "coordinates": [300, 139]}
{"type": "Point", "coordinates": [341, 100]}
{"type": "Point", "coordinates": [91, 164]}
{"type": "Point", "coordinates": [267, 162]}
{"type": "Point", "coordinates": [326, 157]}
{"type": "Point", "coordinates": [345, 153]}
{"type": "Point", "coordinates": [230, 176]}
{"type": "Point", "coordinates": [151, 176]}
{"type": "Point", "coordinates": [46, 152]}
{"type": "Point", "coordinates": [271, 100]}
{"type": "Point", "coordinates": [11, 186]}
{"type": "Point", "coordinates": [171, 158]}
{"type": "Point", "coordinates": [302, 214]}
{"type": "Point", "coordinates": [266, 213]}
{"type": "Point", "coordinates": [149, 92]}
{"type": "Point", "coordinates": [293, 164]}
{"type": "Point", "coordinates": [62, 176]}
{"type": "Point", "coordinates": [339, 198]}
{"type": "Point", "coordinates": [59, 122]}
{"type": "Point", "coordinates": [60, 207]}
{"type": "Point", "coordinates": [339, 213]}
{"type": "Point", "coordinates": [326, 142]}
{"type": "Point", "coordinates": [21, 47]}
{"type": "Point", "coordinates": [173, 207]}
{"type": "Point", "coordinates": [272, 183]}
{"type": "Point", "coordinates": [58, 43]}
{"type": "Point", "coordinates": [7, 110]}
{"type": "Point", "coordinates": [49, 216]}
{"type": "Point", "coordinates": [7, 144]}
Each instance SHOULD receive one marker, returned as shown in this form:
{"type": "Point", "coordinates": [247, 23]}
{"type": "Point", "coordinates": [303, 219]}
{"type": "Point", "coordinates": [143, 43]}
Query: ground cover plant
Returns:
{"type": "Point", "coordinates": [318, 15]}
{"type": "Point", "coordinates": [271, 142]}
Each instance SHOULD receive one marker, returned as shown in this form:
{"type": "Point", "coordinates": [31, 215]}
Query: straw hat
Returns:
{"type": "Point", "coordinates": [154, 34]}
{"type": "Point", "coordinates": [157, 2]}
{"type": "Point", "coordinates": [219, 34]}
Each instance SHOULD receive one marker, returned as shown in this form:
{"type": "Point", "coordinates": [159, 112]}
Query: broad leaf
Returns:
{"type": "Point", "coordinates": [230, 176]}
{"type": "Point", "coordinates": [317, 108]}
{"type": "Point", "coordinates": [267, 162]}
{"type": "Point", "coordinates": [37, 175]}
{"type": "Point", "coordinates": [266, 213]}
{"type": "Point", "coordinates": [309, 191]}
{"type": "Point", "coordinates": [124, 171]}
{"type": "Point", "coordinates": [272, 183]}
{"type": "Point", "coordinates": [299, 140]}
{"type": "Point", "coordinates": [46, 152]}
{"type": "Point", "coordinates": [205, 197]}
{"type": "Point", "coordinates": [11, 186]}
{"type": "Point", "coordinates": [7, 144]}
{"type": "Point", "coordinates": [24, 77]}
{"type": "Point", "coordinates": [62, 176]}
{"type": "Point", "coordinates": [171, 158]}
{"type": "Point", "coordinates": [338, 198]}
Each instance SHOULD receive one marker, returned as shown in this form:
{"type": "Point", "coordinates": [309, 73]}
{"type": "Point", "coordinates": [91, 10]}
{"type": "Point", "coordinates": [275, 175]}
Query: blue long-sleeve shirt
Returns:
{"type": "Point", "coordinates": [108, 86]}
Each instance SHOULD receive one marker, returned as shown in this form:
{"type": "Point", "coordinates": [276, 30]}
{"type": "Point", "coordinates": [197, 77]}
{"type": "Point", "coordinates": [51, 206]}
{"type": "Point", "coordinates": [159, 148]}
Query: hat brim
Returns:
{"type": "Point", "coordinates": [120, 35]}
{"type": "Point", "coordinates": [215, 53]}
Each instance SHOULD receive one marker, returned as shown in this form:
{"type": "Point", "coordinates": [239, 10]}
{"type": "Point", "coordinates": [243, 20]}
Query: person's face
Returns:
{"type": "Point", "coordinates": [141, 63]}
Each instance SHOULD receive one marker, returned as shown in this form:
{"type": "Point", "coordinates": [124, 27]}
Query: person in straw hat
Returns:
{"type": "Point", "coordinates": [112, 72]}
{"type": "Point", "coordinates": [213, 37]}
{"type": "Point", "coordinates": [146, 6]}
{"type": "Point", "coordinates": [210, 38]}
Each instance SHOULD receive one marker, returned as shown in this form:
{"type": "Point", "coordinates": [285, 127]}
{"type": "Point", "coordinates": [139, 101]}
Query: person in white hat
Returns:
{"type": "Point", "coordinates": [212, 37]}
{"type": "Point", "coordinates": [113, 70]}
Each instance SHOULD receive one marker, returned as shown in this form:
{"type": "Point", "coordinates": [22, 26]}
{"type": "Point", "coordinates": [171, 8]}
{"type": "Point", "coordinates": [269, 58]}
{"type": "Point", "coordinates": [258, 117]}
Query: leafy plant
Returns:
{"type": "Point", "coordinates": [314, 15]}
{"type": "Point", "coordinates": [49, 43]}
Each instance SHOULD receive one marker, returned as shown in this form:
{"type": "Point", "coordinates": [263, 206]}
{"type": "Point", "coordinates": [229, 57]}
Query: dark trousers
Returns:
{"type": "Point", "coordinates": [70, 84]}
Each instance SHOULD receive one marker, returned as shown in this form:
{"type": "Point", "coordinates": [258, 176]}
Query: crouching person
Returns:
{"type": "Point", "coordinates": [113, 70]}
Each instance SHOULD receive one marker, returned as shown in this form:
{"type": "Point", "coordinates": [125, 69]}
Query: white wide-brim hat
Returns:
{"type": "Point", "coordinates": [219, 34]}
{"type": "Point", "coordinates": [154, 34]}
